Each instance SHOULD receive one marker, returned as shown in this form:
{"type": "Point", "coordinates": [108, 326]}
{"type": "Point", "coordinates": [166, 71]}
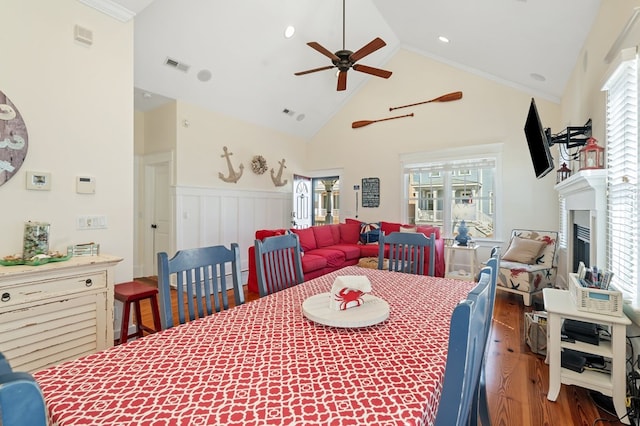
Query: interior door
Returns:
{"type": "Point", "coordinates": [158, 235]}
{"type": "Point", "coordinates": [302, 202]}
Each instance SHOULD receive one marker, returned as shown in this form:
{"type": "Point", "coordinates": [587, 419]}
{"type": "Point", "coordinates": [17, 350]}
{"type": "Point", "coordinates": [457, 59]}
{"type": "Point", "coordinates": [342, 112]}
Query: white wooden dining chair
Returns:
{"type": "Point", "coordinates": [407, 251]}
{"type": "Point", "coordinates": [201, 278]}
{"type": "Point", "coordinates": [466, 352]}
{"type": "Point", "coordinates": [278, 263]}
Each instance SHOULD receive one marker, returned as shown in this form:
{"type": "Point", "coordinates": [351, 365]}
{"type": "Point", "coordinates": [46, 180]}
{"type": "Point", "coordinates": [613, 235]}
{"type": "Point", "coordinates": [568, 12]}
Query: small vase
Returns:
{"type": "Point", "coordinates": [462, 238]}
{"type": "Point", "coordinates": [36, 239]}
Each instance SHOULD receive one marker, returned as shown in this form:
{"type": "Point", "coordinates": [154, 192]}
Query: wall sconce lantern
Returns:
{"type": "Point", "coordinates": [592, 155]}
{"type": "Point", "coordinates": [563, 173]}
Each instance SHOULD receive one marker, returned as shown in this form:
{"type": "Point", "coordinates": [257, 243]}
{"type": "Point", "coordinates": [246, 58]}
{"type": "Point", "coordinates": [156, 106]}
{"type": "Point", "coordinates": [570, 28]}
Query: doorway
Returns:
{"type": "Point", "coordinates": [158, 212]}
{"type": "Point", "coordinates": [320, 195]}
{"type": "Point", "coordinates": [326, 200]}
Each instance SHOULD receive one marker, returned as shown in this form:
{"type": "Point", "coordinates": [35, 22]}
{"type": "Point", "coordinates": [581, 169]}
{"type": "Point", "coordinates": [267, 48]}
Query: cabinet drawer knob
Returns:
{"type": "Point", "coordinates": [6, 297]}
{"type": "Point", "coordinates": [88, 282]}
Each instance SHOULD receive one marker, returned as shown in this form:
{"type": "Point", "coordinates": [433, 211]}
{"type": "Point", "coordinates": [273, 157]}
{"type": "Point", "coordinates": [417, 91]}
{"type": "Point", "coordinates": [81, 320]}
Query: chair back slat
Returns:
{"type": "Point", "coordinates": [278, 263]}
{"type": "Point", "coordinates": [407, 251]}
{"type": "Point", "coordinates": [200, 276]}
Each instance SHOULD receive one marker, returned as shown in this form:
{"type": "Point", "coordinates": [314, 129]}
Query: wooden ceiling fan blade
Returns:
{"type": "Point", "coordinates": [326, 52]}
{"type": "Point", "coordinates": [314, 70]}
{"type": "Point", "coordinates": [373, 71]}
{"type": "Point", "coordinates": [372, 46]}
{"type": "Point", "coordinates": [342, 81]}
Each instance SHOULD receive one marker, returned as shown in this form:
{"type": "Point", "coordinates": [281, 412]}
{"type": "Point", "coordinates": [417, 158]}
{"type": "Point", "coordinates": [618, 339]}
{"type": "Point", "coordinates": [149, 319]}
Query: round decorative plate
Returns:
{"type": "Point", "coordinates": [372, 311]}
{"type": "Point", "coordinates": [13, 139]}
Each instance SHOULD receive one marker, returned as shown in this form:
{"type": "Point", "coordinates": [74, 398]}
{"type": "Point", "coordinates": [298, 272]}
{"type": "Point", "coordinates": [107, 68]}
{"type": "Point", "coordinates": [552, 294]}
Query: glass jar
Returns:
{"type": "Point", "coordinates": [36, 239]}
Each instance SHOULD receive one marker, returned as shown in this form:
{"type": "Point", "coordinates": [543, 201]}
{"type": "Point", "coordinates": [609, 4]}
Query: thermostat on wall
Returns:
{"type": "Point", "coordinates": [85, 185]}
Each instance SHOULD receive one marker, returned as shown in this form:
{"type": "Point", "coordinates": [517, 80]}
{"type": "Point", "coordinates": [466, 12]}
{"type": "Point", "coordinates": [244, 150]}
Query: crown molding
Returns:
{"type": "Point", "coordinates": [110, 8]}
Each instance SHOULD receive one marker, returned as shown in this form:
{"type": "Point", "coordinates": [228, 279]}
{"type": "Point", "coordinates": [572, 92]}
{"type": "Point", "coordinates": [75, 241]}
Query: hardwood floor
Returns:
{"type": "Point", "coordinates": [517, 379]}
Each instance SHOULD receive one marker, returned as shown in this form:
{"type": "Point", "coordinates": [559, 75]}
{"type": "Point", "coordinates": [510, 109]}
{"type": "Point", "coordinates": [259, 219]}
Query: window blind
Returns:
{"type": "Point", "coordinates": [562, 236]}
{"type": "Point", "coordinates": [622, 176]}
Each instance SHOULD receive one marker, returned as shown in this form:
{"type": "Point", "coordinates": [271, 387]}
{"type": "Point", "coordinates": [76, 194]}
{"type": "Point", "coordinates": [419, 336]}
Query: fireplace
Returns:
{"type": "Point", "coordinates": [581, 242]}
{"type": "Point", "coordinates": [585, 218]}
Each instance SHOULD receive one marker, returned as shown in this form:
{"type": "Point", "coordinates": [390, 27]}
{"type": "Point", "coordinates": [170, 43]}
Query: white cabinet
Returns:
{"type": "Point", "coordinates": [56, 312]}
{"type": "Point", "coordinates": [560, 306]}
{"type": "Point", "coordinates": [461, 262]}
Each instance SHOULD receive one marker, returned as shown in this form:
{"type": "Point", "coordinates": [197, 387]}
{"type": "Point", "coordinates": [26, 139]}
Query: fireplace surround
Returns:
{"type": "Point", "coordinates": [585, 204]}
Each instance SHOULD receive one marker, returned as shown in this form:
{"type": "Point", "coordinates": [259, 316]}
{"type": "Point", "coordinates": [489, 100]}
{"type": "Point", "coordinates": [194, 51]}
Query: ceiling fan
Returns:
{"type": "Point", "coordinates": [345, 59]}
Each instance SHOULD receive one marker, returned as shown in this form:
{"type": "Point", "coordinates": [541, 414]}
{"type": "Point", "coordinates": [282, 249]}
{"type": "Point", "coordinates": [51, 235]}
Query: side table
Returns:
{"type": "Point", "coordinates": [560, 306]}
{"type": "Point", "coordinates": [461, 262]}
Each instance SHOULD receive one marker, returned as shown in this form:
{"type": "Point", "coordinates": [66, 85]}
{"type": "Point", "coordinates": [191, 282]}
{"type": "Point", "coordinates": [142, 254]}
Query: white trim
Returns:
{"type": "Point", "coordinates": [110, 8]}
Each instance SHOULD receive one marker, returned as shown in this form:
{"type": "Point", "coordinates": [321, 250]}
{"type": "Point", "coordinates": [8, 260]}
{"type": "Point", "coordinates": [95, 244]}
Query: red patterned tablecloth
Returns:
{"type": "Point", "coordinates": [263, 363]}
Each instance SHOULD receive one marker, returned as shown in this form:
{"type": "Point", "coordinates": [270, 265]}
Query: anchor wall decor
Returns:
{"type": "Point", "coordinates": [277, 179]}
{"type": "Point", "coordinates": [233, 175]}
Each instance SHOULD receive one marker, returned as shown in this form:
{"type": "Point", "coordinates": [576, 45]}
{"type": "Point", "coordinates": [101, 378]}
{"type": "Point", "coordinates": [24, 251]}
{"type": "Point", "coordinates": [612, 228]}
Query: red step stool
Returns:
{"type": "Point", "coordinates": [133, 292]}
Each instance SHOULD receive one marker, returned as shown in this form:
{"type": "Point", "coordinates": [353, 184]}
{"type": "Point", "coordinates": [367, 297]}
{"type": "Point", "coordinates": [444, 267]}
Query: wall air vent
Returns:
{"type": "Point", "coordinates": [177, 65]}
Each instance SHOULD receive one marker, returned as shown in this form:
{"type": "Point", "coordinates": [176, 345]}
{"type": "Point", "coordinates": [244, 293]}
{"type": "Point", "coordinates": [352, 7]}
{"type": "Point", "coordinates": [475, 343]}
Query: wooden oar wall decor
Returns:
{"type": "Point", "coordinates": [363, 123]}
{"type": "Point", "coordinates": [453, 96]}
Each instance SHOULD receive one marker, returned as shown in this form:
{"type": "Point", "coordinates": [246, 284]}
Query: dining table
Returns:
{"type": "Point", "coordinates": [266, 363]}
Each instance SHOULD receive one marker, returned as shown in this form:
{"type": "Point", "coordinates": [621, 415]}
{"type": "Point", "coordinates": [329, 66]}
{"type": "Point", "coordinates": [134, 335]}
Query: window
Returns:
{"type": "Point", "coordinates": [622, 174]}
{"type": "Point", "coordinates": [445, 192]}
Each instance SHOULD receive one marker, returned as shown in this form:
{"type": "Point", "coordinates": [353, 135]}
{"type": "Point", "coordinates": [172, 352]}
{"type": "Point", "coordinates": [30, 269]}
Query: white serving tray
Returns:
{"type": "Point", "coordinates": [372, 311]}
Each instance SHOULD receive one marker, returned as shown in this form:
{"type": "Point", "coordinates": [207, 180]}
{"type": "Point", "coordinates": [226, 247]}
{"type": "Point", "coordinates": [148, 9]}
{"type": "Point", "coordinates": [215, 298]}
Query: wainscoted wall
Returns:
{"type": "Point", "coordinates": [211, 216]}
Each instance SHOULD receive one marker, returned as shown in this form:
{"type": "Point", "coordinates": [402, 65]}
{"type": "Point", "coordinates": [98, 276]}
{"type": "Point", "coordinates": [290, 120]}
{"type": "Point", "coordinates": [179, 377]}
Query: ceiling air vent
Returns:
{"type": "Point", "coordinates": [176, 64]}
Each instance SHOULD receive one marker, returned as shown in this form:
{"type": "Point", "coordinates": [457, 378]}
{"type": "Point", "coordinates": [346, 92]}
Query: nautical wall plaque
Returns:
{"type": "Point", "coordinates": [370, 192]}
{"type": "Point", "coordinates": [13, 139]}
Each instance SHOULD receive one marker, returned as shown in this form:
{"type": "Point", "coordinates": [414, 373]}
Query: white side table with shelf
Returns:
{"type": "Point", "coordinates": [559, 306]}
{"type": "Point", "coordinates": [461, 262]}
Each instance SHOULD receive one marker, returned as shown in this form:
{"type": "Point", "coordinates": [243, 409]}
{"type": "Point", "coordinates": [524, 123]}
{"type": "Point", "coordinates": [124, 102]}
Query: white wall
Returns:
{"type": "Point", "coordinates": [208, 210]}
{"type": "Point", "coordinates": [488, 113]}
{"type": "Point", "coordinates": [77, 103]}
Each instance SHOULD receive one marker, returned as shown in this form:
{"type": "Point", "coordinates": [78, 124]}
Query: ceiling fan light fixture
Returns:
{"type": "Point", "coordinates": [289, 31]}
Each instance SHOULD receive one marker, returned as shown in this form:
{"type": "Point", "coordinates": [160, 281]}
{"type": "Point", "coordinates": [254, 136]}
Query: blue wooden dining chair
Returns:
{"type": "Point", "coordinates": [480, 407]}
{"type": "Point", "coordinates": [278, 263]}
{"type": "Point", "coordinates": [467, 347]}
{"type": "Point", "coordinates": [200, 276]}
{"type": "Point", "coordinates": [407, 252]}
{"type": "Point", "coordinates": [21, 399]}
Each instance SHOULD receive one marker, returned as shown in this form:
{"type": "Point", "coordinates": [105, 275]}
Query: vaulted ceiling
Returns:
{"type": "Point", "coordinates": [239, 63]}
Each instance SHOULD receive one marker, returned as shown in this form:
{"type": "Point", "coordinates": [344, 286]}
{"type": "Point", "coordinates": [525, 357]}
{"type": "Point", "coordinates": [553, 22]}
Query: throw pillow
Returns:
{"type": "Point", "coordinates": [408, 228]}
{"type": "Point", "coordinates": [261, 234]}
{"type": "Point", "coordinates": [389, 227]}
{"type": "Point", "coordinates": [523, 250]}
{"type": "Point", "coordinates": [428, 230]}
{"type": "Point", "coordinates": [307, 238]}
{"type": "Point", "coordinates": [369, 233]}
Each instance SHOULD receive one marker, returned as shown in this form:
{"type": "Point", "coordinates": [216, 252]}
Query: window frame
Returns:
{"type": "Point", "coordinates": [468, 153]}
{"type": "Point", "coordinates": [622, 146]}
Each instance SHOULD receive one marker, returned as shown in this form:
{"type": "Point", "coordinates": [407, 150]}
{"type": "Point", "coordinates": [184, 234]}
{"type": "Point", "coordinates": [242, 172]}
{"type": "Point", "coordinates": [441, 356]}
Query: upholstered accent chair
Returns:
{"type": "Point", "coordinates": [529, 263]}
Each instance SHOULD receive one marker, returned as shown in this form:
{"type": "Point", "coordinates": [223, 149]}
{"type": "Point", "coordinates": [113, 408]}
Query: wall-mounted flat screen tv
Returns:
{"type": "Point", "coordinates": [538, 142]}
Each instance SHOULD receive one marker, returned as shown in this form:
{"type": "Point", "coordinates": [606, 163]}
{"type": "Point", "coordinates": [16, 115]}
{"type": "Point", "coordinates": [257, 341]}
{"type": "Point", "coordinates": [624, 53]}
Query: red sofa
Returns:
{"type": "Point", "coordinates": [331, 247]}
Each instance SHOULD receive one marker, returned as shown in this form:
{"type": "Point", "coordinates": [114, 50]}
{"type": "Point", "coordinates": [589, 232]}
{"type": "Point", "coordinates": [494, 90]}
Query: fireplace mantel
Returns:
{"type": "Point", "coordinates": [586, 190]}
